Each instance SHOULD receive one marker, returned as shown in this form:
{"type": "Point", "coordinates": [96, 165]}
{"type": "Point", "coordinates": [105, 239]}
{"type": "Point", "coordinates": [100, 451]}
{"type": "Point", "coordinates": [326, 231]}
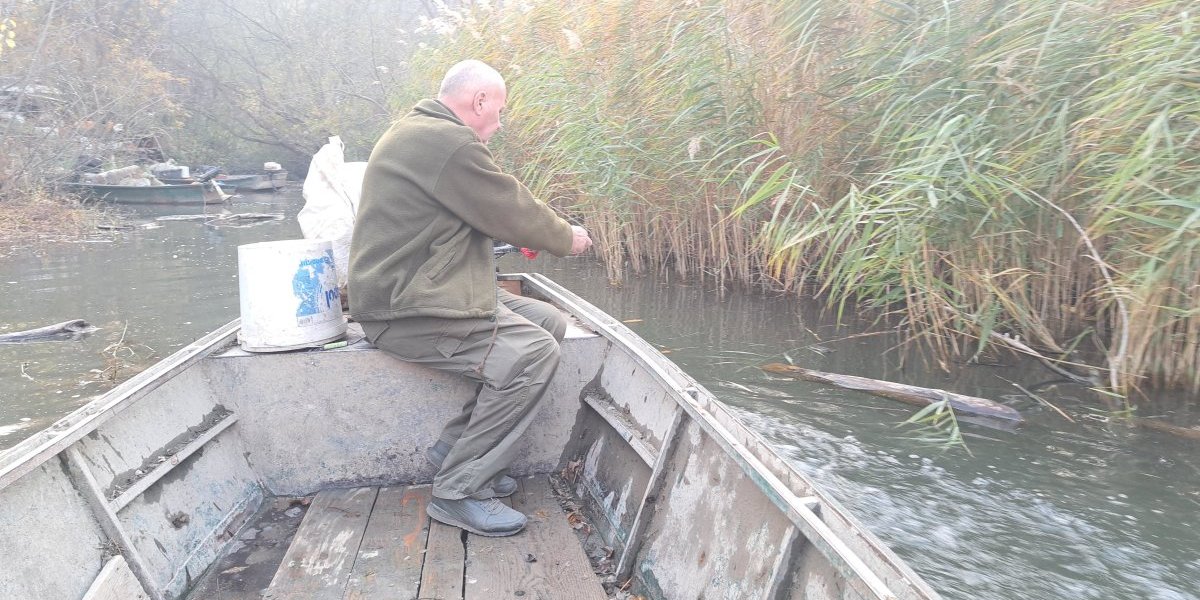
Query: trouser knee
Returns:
{"type": "Point", "coordinates": [542, 361]}
{"type": "Point", "coordinates": [545, 356]}
{"type": "Point", "coordinates": [556, 324]}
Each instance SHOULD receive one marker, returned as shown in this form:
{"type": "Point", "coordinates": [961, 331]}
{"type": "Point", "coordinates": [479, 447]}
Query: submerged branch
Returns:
{"type": "Point", "coordinates": [1040, 399]}
{"type": "Point", "coordinates": [1021, 347]}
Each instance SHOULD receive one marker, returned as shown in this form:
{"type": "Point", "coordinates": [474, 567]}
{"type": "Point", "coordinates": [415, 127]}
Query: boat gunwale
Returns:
{"type": "Point", "coordinates": [756, 458]}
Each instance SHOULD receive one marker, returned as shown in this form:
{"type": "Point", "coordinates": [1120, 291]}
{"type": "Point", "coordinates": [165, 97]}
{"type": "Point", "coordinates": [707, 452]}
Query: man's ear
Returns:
{"type": "Point", "coordinates": [477, 102]}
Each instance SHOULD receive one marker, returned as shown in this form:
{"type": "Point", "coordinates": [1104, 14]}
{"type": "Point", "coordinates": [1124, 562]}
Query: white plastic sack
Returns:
{"type": "Point", "coordinates": [331, 193]}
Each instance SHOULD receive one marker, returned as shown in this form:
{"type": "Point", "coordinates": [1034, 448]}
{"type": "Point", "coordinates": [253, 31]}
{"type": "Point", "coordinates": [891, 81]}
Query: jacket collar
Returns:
{"type": "Point", "coordinates": [434, 108]}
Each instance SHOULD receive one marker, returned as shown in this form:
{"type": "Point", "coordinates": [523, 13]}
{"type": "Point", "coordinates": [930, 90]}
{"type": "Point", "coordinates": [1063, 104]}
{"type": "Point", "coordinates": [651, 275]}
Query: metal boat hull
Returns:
{"type": "Point", "coordinates": [169, 465]}
{"type": "Point", "coordinates": [183, 194]}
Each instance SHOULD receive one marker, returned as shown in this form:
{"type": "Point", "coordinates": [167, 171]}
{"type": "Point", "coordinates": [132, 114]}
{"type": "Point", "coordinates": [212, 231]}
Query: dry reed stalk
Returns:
{"type": "Point", "coordinates": [37, 215]}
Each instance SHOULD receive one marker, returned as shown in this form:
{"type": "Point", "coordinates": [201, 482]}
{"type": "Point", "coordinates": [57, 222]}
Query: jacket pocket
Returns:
{"type": "Point", "coordinates": [438, 266]}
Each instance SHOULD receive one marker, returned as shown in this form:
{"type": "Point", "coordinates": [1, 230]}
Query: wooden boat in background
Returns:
{"type": "Point", "coordinates": [241, 181]}
{"type": "Point", "coordinates": [190, 193]}
{"type": "Point", "coordinates": [265, 181]}
{"type": "Point", "coordinates": [250, 182]}
{"type": "Point", "coordinates": [247, 182]}
{"type": "Point", "coordinates": [163, 487]}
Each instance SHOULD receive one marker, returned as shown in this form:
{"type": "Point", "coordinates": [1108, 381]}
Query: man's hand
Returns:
{"type": "Point", "coordinates": [580, 240]}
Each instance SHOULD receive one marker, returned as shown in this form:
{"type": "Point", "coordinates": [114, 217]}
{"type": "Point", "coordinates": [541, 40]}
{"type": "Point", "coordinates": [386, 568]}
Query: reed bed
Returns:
{"type": "Point", "coordinates": [38, 215]}
{"type": "Point", "coordinates": [1027, 168]}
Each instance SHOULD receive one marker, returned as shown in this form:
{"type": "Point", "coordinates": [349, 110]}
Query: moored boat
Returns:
{"type": "Point", "coordinates": [190, 193]}
{"type": "Point", "coordinates": [242, 181]}
{"type": "Point", "coordinates": [265, 181]}
{"type": "Point", "coordinates": [252, 182]}
{"type": "Point", "coordinates": [158, 487]}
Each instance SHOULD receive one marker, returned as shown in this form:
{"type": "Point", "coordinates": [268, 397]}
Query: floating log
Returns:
{"type": "Point", "coordinates": [248, 217]}
{"type": "Point", "coordinates": [1187, 433]}
{"type": "Point", "coordinates": [242, 219]}
{"type": "Point", "coordinates": [66, 328]}
{"type": "Point", "coordinates": [204, 217]}
{"type": "Point", "coordinates": [911, 394]}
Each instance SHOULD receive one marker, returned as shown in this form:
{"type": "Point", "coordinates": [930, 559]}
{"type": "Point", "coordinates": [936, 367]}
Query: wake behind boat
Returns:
{"type": "Point", "coordinates": [161, 487]}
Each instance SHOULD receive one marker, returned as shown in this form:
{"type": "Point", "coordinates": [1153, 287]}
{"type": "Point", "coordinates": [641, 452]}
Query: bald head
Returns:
{"type": "Point", "coordinates": [467, 77]}
{"type": "Point", "coordinates": [477, 95]}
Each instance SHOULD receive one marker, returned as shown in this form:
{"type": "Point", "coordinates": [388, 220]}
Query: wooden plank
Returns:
{"type": "Point", "coordinates": [610, 414]}
{"type": "Point", "coordinates": [647, 507]}
{"type": "Point", "coordinates": [782, 570]}
{"type": "Point", "coordinates": [543, 561]}
{"type": "Point", "coordinates": [393, 548]}
{"type": "Point", "coordinates": [86, 483]}
{"type": "Point", "coordinates": [149, 479]}
{"type": "Point", "coordinates": [442, 575]}
{"type": "Point", "coordinates": [116, 582]}
{"type": "Point", "coordinates": [318, 563]}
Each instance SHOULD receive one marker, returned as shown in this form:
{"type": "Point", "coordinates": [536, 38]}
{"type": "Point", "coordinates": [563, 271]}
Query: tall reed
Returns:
{"type": "Point", "coordinates": [1027, 168]}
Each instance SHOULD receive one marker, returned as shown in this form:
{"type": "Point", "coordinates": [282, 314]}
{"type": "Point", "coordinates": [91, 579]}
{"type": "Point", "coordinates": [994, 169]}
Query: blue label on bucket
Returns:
{"type": "Point", "coordinates": [314, 285]}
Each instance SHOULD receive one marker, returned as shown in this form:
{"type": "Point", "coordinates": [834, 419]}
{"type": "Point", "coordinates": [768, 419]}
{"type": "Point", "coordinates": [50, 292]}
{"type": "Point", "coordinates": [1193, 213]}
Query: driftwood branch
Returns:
{"type": "Point", "coordinates": [911, 394]}
{"type": "Point", "coordinates": [1187, 433]}
{"type": "Point", "coordinates": [66, 328]}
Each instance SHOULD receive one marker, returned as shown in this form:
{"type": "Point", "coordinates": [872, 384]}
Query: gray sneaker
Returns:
{"type": "Point", "coordinates": [482, 517]}
{"type": "Point", "coordinates": [503, 486]}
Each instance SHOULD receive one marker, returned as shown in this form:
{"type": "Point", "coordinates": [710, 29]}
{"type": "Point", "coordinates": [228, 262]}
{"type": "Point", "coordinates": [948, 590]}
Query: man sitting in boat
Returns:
{"type": "Point", "coordinates": [422, 283]}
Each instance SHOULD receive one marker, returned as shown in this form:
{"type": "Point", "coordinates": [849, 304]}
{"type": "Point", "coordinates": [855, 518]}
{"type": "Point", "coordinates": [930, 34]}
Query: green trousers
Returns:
{"type": "Point", "coordinates": [512, 357]}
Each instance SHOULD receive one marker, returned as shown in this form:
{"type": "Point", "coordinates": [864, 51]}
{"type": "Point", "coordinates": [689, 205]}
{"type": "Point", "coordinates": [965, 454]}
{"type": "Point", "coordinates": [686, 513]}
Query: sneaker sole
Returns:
{"type": "Point", "coordinates": [436, 514]}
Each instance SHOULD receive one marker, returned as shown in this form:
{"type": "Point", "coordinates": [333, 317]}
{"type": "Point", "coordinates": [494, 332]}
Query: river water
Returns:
{"type": "Point", "coordinates": [1056, 510]}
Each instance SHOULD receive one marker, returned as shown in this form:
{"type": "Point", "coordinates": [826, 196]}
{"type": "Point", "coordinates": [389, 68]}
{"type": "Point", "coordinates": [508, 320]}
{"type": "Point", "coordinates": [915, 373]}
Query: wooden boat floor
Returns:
{"type": "Point", "coordinates": [378, 542]}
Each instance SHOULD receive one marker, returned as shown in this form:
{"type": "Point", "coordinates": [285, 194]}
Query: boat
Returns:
{"type": "Point", "coordinates": [242, 181]}
{"type": "Point", "coordinates": [253, 182]}
{"type": "Point", "coordinates": [188, 193]}
{"type": "Point", "coordinates": [267, 180]}
{"type": "Point", "coordinates": [217, 473]}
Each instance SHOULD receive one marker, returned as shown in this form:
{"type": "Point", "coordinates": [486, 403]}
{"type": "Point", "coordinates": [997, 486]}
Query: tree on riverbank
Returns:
{"type": "Point", "coordinates": [271, 78]}
{"type": "Point", "coordinates": [1023, 167]}
{"type": "Point", "coordinates": [80, 80]}
{"type": "Point", "coordinates": [226, 83]}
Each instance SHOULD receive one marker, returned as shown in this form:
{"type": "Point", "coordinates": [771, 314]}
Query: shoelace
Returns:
{"type": "Point", "coordinates": [493, 506]}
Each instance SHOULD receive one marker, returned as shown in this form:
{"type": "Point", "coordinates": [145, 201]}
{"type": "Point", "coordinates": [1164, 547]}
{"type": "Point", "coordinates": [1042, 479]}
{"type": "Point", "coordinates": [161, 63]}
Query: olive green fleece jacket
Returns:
{"type": "Point", "coordinates": [432, 201]}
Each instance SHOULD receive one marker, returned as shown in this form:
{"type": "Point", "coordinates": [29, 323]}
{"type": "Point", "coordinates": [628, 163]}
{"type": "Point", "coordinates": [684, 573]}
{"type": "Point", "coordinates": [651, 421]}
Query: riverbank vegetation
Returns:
{"type": "Point", "coordinates": [79, 82]}
{"type": "Point", "coordinates": [109, 83]}
{"type": "Point", "coordinates": [39, 216]}
{"type": "Point", "coordinates": [974, 169]}
{"type": "Point", "coordinates": [1025, 168]}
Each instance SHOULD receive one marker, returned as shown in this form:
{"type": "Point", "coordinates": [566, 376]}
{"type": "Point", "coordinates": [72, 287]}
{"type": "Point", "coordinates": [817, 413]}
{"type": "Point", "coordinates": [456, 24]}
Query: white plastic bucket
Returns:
{"type": "Point", "coordinates": [289, 295]}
